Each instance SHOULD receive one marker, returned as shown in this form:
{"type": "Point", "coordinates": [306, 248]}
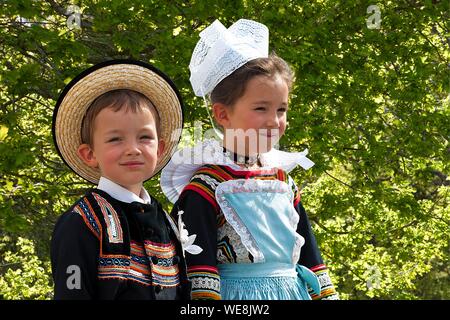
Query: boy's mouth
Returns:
{"type": "Point", "coordinates": [132, 164]}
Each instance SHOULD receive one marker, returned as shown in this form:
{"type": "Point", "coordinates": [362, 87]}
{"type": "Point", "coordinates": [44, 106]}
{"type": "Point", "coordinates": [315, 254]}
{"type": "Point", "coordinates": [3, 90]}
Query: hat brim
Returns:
{"type": "Point", "coordinates": [79, 94]}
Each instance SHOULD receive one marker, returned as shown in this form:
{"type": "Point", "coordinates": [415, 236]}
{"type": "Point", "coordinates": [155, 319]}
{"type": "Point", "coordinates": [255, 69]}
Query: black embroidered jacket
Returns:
{"type": "Point", "coordinates": [103, 248]}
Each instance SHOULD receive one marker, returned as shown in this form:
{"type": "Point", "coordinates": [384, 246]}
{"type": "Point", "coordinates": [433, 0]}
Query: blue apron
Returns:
{"type": "Point", "coordinates": [263, 215]}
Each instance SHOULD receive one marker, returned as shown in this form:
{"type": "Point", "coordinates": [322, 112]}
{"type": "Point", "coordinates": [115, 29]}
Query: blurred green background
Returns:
{"type": "Point", "coordinates": [371, 102]}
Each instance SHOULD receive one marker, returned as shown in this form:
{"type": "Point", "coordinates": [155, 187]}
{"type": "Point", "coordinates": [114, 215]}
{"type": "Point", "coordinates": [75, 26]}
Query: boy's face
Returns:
{"type": "Point", "coordinates": [125, 146]}
{"type": "Point", "coordinates": [258, 119]}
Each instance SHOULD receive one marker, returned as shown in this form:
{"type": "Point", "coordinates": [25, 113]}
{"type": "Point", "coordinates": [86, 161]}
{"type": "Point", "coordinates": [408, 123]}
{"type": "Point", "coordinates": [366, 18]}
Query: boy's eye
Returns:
{"type": "Point", "coordinates": [146, 137]}
{"type": "Point", "coordinates": [260, 108]}
{"type": "Point", "coordinates": [282, 109]}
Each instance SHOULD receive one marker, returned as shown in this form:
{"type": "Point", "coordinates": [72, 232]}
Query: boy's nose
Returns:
{"type": "Point", "coordinates": [133, 148]}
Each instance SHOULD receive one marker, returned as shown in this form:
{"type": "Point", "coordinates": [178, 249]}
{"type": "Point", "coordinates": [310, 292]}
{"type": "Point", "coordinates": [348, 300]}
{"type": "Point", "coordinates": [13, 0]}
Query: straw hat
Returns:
{"type": "Point", "coordinates": [78, 95]}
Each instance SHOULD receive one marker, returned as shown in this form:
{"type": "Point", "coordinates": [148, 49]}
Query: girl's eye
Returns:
{"type": "Point", "coordinates": [260, 108]}
{"type": "Point", "coordinates": [146, 137]}
{"type": "Point", "coordinates": [282, 110]}
{"type": "Point", "coordinates": [114, 139]}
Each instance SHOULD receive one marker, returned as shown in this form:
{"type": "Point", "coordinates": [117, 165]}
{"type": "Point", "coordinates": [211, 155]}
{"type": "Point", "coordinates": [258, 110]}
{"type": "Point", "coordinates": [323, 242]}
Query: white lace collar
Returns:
{"type": "Point", "coordinates": [183, 164]}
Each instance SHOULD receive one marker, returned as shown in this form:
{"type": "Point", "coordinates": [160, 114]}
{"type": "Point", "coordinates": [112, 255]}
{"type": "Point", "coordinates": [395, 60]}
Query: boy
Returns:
{"type": "Point", "coordinates": [116, 125]}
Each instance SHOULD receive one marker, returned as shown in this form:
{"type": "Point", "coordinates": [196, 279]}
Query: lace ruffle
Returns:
{"type": "Point", "coordinates": [233, 219]}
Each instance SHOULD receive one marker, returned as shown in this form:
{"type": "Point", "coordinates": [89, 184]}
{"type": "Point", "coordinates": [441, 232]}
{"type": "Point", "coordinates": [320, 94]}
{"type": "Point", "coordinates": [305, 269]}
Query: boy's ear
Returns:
{"type": "Point", "coordinates": [86, 154]}
{"type": "Point", "coordinates": [161, 147]}
{"type": "Point", "coordinates": [221, 114]}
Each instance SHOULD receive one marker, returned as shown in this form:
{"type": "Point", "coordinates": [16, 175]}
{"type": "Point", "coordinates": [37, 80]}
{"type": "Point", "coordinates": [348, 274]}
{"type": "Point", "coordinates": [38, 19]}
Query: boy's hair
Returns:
{"type": "Point", "coordinates": [230, 89]}
{"type": "Point", "coordinates": [116, 99]}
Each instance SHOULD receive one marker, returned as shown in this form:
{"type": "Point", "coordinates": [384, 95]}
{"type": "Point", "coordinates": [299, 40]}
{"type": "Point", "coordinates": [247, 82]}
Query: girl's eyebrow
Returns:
{"type": "Point", "coordinates": [264, 102]}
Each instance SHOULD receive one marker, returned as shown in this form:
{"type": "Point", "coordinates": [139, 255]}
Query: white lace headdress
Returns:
{"type": "Point", "coordinates": [221, 51]}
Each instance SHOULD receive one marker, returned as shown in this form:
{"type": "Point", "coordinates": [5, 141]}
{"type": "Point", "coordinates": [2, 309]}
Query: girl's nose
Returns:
{"type": "Point", "coordinates": [273, 121]}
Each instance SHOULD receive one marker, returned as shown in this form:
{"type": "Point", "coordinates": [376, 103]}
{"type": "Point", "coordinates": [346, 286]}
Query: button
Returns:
{"type": "Point", "coordinates": [155, 260]}
{"type": "Point", "coordinates": [176, 260]}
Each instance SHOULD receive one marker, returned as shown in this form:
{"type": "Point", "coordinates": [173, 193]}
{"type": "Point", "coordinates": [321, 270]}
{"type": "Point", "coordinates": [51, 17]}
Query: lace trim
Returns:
{"type": "Point", "coordinates": [213, 183]}
{"type": "Point", "coordinates": [233, 219]}
{"type": "Point", "coordinates": [205, 283]}
{"type": "Point", "coordinates": [253, 185]}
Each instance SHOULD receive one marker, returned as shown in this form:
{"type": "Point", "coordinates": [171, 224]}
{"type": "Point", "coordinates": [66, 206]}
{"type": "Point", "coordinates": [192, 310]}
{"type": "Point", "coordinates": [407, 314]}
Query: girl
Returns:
{"type": "Point", "coordinates": [244, 231]}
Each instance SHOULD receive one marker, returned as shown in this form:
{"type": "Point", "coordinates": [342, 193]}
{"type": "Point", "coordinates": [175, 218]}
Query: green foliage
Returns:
{"type": "Point", "coordinates": [26, 276]}
{"type": "Point", "coordinates": [372, 106]}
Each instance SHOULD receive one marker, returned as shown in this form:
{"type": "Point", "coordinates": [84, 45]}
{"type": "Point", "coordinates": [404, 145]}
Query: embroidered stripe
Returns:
{"type": "Point", "coordinates": [203, 187]}
{"type": "Point", "coordinates": [85, 211]}
{"type": "Point", "coordinates": [137, 268]}
{"type": "Point", "coordinates": [205, 282]}
{"type": "Point", "coordinates": [164, 271]}
{"type": "Point", "coordinates": [327, 290]}
{"type": "Point", "coordinates": [113, 226]}
{"type": "Point", "coordinates": [204, 295]}
{"type": "Point", "coordinates": [207, 179]}
{"type": "Point", "coordinates": [197, 268]}
{"type": "Point", "coordinates": [204, 194]}
{"type": "Point", "coordinates": [216, 172]}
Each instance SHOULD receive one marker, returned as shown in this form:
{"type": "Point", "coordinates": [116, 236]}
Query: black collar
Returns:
{"type": "Point", "coordinates": [239, 159]}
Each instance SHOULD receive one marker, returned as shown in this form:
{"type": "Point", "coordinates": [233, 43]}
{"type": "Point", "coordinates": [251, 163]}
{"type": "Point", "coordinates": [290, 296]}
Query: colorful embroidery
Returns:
{"type": "Point", "coordinates": [137, 266]}
{"type": "Point", "coordinates": [327, 290]}
{"type": "Point", "coordinates": [225, 252]}
{"type": "Point", "coordinates": [113, 226]}
{"type": "Point", "coordinates": [84, 209]}
{"type": "Point", "coordinates": [164, 271]}
{"type": "Point", "coordinates": [115, 267]}
{"type": "Point", "coordinates": [206, 179]}
{"type": "Point", "coordinates": [205, 282]}
{"type": "Point", "coordinates": [140, 264]}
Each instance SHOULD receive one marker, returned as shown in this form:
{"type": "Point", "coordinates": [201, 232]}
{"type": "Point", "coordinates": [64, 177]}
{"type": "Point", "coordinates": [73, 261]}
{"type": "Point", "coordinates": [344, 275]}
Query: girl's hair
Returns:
{"type": "Point", "coordinates": [230, 89]}
{"type": "Point", "coordinates": [116, 99]}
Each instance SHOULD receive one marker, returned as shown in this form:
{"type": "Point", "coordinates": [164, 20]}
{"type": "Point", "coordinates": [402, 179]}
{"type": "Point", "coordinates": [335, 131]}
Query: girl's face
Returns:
{"type": "Point", "coordinates": [257, 120]}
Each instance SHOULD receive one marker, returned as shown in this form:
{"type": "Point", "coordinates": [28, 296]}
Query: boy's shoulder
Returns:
{"type": "Point", "coordinates": [91, 208]}
{"type": "Point", "coordinates": [85, 208]}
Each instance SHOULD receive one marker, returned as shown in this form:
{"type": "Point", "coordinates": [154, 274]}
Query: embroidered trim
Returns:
{"type": "Point", "coordinates": [229, 247]}
{"type": "Point", "coordinates": [83, 208]}
{"type": "Point", "coordinates": [327, 290]}
{"type": "Point", "coordinates": [213, 183]}
{"type": "Point", "coordinates": [136, 267]}
{"type": "Point", "coordinates": [164, 271]}
{"type": "Point", "coordinates": [205, 282]}
{"type": "Point", "coordinates": [113, 226]}
{"type": "Point", "coordinates": [255, 185]}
